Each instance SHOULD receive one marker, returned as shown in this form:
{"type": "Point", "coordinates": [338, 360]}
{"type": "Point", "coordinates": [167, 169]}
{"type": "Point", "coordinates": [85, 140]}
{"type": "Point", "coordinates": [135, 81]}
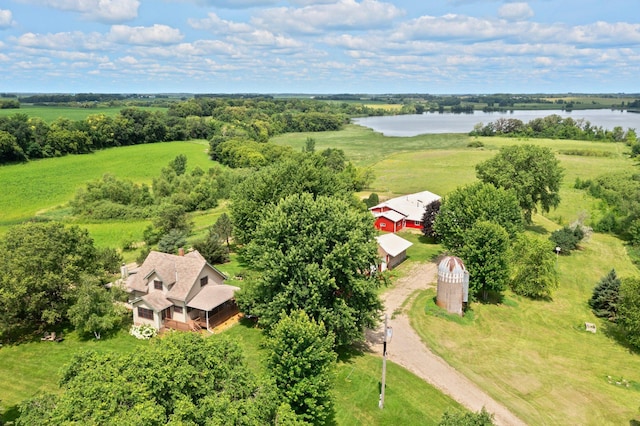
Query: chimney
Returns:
{"type": "Point", "coordinates": [181, 251]}
{"type": "Point", "coordinates": [124, 271]}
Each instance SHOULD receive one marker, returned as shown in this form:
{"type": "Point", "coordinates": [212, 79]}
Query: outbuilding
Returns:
{"type": "Point", "coordinates": [392, 250]}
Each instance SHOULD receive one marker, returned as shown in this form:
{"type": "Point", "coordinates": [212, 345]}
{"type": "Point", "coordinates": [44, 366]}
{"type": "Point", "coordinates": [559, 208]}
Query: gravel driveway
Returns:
{"type": "Point", "coordinates": [407, 350]}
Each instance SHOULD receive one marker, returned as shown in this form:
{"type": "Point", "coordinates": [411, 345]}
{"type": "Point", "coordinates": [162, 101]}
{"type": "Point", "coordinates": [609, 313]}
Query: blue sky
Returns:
{"type": "Point", "coordinates": [320, 46]}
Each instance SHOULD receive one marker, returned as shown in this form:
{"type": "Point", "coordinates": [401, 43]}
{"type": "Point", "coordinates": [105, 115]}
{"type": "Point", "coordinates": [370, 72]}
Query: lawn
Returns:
{"type": "Point", "coordinates": [364, 147]}
{"type": "Point", "coordinates": [31, 368]}
{"type": "Point", "coordinates": [534, 356]}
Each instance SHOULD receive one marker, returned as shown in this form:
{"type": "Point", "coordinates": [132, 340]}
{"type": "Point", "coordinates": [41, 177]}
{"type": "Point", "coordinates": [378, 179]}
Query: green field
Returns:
{"type": "Point", "coordinates": [52, 113]}
{"type": "Point", "coordinates": [41, 185]}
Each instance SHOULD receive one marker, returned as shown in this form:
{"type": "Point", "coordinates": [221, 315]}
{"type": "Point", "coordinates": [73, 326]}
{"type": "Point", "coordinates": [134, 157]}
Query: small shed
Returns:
{"type": "Point", "coordinates": [453, 285]}
{"type": "Point", "coordinates": [392, 250]}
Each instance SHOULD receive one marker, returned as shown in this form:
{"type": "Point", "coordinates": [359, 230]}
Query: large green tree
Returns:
{"type": "Point", "coordinates": [301, 360]}
{"type": "Point", "coordinates": [629, 309]}
{"type": "Point", "coordinates": [469, 204]}
{"type": "Point", "coordinates": [95, 310]}
{"type": "Point", "coordinates": [486, 256]}
{"type": "Point", "coordinates": [314, 255]}
{"type": "Point", "coordinates": [42, 264]}
{"type": "Point", "coordinates": [534, 267]}
{"type": "Point", "coordinates": [182, 378]}
{"type": "Point", "coordinates": [531, 171]}
{"type": "Point", "coordinates": [269, 185]}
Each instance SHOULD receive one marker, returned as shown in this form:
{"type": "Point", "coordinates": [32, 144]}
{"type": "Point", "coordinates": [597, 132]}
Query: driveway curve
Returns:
{"type": "Point", "coordinates": [408, 350]}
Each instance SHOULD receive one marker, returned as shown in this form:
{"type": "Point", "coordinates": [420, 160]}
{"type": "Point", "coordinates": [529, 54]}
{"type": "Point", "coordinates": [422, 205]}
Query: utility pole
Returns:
{"type": "Point", "coordinates": [384, 361]}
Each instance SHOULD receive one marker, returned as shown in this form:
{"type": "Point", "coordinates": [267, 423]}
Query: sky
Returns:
{"type": "Point", "coordinates": [320, 46]}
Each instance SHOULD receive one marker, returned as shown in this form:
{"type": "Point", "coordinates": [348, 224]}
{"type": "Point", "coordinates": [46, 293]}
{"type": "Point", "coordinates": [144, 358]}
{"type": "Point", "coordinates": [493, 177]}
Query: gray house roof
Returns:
{"type": "Point", "coordinates": [178, 273]}
{"type": "Point", "coordinates": [212, 296]}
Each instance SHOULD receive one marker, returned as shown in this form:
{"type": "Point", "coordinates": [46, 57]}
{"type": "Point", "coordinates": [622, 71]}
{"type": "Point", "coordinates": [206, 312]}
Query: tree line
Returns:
{"type": "Point", "coordinates": [554, 127]}
{"type": "Point", "coordinates": [23, 137]}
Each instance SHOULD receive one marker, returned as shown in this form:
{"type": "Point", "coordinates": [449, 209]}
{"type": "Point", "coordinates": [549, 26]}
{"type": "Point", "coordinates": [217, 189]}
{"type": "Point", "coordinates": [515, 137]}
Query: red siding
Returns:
{"type": "Point", "coordinates": [412, 224]}
{"type": "Point", "coordinates": [384, 224]}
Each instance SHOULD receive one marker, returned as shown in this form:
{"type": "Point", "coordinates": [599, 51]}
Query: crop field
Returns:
{"type": "Point", "coordinates": [52, 113]}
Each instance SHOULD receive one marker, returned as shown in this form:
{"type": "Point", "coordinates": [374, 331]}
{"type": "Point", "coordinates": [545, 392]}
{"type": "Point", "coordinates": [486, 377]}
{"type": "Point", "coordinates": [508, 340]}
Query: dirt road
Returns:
{"type": "Point", "coordinates": [407, 349]}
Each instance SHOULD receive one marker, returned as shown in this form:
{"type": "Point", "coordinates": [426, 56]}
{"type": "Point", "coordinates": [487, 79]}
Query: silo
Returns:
{"type": "Point", "coordinates": [453, 285]}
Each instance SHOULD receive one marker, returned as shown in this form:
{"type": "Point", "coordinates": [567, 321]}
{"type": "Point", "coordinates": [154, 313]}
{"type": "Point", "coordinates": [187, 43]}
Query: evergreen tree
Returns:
{"type": "Point", "coordinates": [606, 297]}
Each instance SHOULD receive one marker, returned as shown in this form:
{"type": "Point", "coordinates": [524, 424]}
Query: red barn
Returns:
{"type": "Point", "coordinates": [402, 212]}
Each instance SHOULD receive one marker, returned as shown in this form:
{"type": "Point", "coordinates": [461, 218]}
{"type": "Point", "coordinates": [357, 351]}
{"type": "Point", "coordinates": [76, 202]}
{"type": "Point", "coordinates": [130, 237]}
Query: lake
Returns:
{"type": "Point", "coordinates": [434, 122]}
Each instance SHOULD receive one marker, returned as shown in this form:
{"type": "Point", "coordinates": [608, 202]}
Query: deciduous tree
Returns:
{"type": "Point", "coordinates": [431, 210]}
{"type": "Point", "coordinates": [180, 379]}
{"type": "Point", "coordinates": [223, 228]}
{"type": "Point", "coordinates": [95, 311]}
{"type": "Point", "coordinates": [314, 255]}
{"type": "Point", "coordinates": [531, 171]}
{"type": "Point", "coordinates": [534, 270]}
{"type": "Point", "coordinates": [629, 309]}
{"type": "Point", "coordinates": [301, 361]}
{"type": "Point", "coordinates": [42, 263]}
{"type": "Point", "coordinates": [271, 184]}
{"type": "Point", "coordinates": [480, 201]}
{"type": "Point", "coordinates": [485, 253]}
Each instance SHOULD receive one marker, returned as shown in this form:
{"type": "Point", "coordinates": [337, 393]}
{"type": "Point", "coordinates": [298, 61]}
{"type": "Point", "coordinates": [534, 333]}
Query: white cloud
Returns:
{"type": "Point", "coordinates": [75, 40]}
{"type": "Point", "coordinates": [157, 34]}
{"type": "Point", "coordinates": [234, 4]}
{"type": "Point", "coordinates": [96, 10]}
{"type": "Point", "coordinates": [342, 14]}
{"type": "Point", "coordinates": [216, 25]}
{"type": "Point", "coordinates": [617, 33]}
{"type": "Point", "coordinates": [6, 19]}
{"type": "Point", "coordinates": [515, 11]}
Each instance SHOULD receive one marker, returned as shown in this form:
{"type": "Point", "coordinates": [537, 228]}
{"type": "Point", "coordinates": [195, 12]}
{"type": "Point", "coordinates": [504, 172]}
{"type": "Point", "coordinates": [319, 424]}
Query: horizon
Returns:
{"type": "Point", "coordinates": [319, 46]}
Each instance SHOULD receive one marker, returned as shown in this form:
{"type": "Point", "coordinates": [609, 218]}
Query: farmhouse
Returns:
{"type": "Point", "coordinates": [180, 292]}
{"type": "Point", "coordinates": [392, 250]}
{"type": "Point", "coordinates": [402, 212]}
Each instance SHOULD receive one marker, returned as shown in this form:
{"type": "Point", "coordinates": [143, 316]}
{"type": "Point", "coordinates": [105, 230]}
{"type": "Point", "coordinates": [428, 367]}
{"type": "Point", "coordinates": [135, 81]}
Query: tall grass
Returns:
{"type": "Point", "coordinates": [40, 185]}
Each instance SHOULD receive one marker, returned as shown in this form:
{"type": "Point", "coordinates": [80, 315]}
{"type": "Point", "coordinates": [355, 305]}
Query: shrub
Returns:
{"type": "Point", "coordinates": [567, 238]}
{"type": "Point", "coordinates": [143, 331]}
{"type": "Point", "coordinates": [475, 144]}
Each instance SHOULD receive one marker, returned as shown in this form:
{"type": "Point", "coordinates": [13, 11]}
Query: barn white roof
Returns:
{"type": "Point", "coordinates": [411, 206]}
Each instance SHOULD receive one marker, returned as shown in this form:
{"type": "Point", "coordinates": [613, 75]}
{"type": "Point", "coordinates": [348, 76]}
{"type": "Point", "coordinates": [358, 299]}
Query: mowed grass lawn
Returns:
{"type": "Point", "coordinates": [535, 356]}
